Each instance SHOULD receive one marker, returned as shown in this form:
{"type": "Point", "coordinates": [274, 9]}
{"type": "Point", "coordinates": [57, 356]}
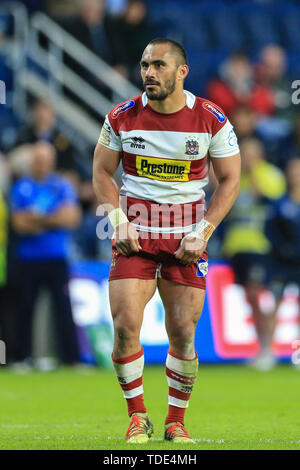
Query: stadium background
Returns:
{"type": "Point", "coordinates": [225, 41]}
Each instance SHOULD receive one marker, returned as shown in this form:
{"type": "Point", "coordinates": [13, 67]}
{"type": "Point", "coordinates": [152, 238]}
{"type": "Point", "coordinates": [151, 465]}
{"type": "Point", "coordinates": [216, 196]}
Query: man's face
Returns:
{"type": "Point", "coordinates": [43, 161]}
{"type": "Point", "coordinates": [159, 71]}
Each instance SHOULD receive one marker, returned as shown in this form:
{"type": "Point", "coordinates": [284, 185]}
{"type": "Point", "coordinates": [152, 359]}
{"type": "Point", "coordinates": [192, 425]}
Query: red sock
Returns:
{"type": "Point", "coordinates": [181, 375]}
{"type": "Point", "coordinates": [129, 371]}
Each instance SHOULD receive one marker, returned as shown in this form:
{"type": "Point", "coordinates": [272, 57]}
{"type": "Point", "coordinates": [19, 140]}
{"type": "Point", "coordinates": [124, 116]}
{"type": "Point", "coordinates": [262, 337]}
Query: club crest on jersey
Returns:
{"type": "Point", "coordinates": [213, 110]}
{"type": "Point", "coordinates": [202, 267]}
{"type": "Point", "coordinates": [192, 147]}
{"type": "Point", "coordinates": [123, 107]}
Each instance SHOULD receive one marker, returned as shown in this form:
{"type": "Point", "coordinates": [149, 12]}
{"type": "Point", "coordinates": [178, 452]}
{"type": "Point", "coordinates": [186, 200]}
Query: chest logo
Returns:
{"type": "Point", "coordinates": [192, 147]}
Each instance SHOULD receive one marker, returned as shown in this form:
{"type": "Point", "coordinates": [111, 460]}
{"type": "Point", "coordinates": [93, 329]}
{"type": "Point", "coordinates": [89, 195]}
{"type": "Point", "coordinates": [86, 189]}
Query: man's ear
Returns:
{"type": "Point", "coordinates": [183, 71]}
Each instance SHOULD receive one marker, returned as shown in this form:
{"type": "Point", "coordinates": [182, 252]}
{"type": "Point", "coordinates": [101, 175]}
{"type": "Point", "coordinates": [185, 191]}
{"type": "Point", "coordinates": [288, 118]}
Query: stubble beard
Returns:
{"type": "Point", "coordinates": [162, 94]}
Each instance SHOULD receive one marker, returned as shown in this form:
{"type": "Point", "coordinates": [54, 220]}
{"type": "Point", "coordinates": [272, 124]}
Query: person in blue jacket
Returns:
{"type": "Point", "coordinates": [45, 209]}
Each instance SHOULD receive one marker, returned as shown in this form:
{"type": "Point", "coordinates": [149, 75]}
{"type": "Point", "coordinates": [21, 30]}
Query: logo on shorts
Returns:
{"type": "Point", "coordinates": [113, 260]}
{"type": "Point", "coordinates": [163, 169]}
{"type": "Point", "coordinates": [215, 111]}
{"type": "Point", "coordinates": [123, 107]}
{"type": "Point", "coordinates": [202, 267]}
{"type": "Point", "coordinates": [192, 147]}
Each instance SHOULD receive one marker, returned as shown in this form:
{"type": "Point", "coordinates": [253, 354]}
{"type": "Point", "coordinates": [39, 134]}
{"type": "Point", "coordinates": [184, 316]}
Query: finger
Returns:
{"type": "Point", "coordinates": [179, 252]}
{"type": "Point", "coordinates": [121, 251]}
{"type": "Point", "coordinates": [134, 244]}
{"type": "Point", "coordinates": [124, 247]}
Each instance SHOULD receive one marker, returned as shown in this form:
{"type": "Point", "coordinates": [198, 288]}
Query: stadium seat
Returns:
{"type": "Point", "coordinates": [261, 28]}
{"type": "Point", "coordinates": [195, 32]}
{"type": "Point", "coordinates": [226, 30]}
{"type": "Point", "coordinates": [289, 23]}
{"type": "Point", "coordinates": [204, 66]}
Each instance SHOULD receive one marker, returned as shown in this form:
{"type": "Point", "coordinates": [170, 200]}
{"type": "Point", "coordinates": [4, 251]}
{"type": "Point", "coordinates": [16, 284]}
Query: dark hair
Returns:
{"type": "Point", "coordinates": [178, 48]}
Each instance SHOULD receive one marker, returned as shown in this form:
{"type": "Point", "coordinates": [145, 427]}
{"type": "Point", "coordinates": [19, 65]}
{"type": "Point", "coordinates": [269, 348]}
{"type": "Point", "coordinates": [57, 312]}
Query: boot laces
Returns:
{"type": "Point", "coordinates": [178, 430]}
{"type": "Point", "coordinates": [137, 426]}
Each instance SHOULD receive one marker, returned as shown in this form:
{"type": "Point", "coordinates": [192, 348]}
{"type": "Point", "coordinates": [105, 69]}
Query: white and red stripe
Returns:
{"type": "Point", "coordinates": [181, 375]}
{"type": "Point", "coordinates": [142, 133]}
{"type": "Point", "coordinates": [130, 374]}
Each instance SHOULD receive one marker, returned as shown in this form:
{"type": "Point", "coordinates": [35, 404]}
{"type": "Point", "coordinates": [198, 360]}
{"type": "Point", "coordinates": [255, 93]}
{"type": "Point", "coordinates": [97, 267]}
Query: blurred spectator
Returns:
{"type": "Point", "coordinates": [275, 129]}
{"type": "Point", "coordinates": [130, 34]}
{"type": "Point", "coordinates": [236, 87]}
{"type": "Point", "coordinates": [245, 242]}
{"type": "Point", "coordinates": [43, 126]}
{"type": "Point", "coordinates": [271, 72]}
{"type": "Point", "coordinates": [116, 7]}
{"type": "Point", "coordinates": [5, 316]}
{"type": "Point", "coordinates": [44, 211]}
{"type": "Point", "coordinates": [292, 149]}
{"type": "Point", "coordinates": [3, 239]}
{"type": "Point", "coordinates": [91, 29]}
{"type": "Point", "coordinates": [243, 121]}
{"type": "Point", "coordinates": [283, 229]}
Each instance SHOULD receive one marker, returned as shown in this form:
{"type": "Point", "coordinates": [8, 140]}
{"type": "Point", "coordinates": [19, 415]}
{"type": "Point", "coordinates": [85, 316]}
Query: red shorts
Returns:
{"type": "Point", "coordinates": [157, 260]}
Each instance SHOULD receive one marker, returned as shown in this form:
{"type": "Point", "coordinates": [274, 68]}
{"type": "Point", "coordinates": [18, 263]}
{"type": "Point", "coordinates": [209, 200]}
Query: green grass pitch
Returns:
{"type": "Point", "coordinates": [232, 407]}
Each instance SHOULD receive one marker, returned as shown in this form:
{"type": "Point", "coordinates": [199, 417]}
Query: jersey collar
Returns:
{"type": "Point", "coordinates": [190, 99]}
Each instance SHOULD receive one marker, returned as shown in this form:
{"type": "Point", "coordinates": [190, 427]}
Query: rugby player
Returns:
{"type": "Point", "coordinates": [166, 139]}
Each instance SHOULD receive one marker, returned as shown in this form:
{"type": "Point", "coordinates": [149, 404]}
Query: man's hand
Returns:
{"type": "Point", "coordinates": [127, 239]}
{"type": "Point", "coordinates": [190, 250]}
{"type": "Point", "coordinates": [28, 222]}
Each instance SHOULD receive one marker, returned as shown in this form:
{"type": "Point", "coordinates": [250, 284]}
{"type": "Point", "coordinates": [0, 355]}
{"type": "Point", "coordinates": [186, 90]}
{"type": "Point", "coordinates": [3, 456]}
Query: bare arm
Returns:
{"type": "Point", "coordinates": [106, 162]}
{"type": "Point", "coordinates": [27, 223]}
{"type": "Point", "coordinates": [227, 171]}
{"type": "Point", "coordinates": [67, 217]}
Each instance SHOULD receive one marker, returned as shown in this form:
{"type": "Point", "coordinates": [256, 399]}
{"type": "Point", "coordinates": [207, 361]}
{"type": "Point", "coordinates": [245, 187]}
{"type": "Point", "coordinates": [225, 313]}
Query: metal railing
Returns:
{"type": "Point", "coordinates": [39, 70]}
{"type": "Point", "coordinates": [60, 77]}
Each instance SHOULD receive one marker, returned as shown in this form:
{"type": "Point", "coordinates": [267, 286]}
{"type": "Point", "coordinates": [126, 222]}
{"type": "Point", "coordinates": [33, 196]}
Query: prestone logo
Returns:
{"type": "Point", "coordinates": [163, 169]}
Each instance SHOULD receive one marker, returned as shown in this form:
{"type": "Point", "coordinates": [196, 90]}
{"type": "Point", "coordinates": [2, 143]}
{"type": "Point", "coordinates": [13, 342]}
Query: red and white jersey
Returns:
{"type": "Point", "coordinates": [165, 156]}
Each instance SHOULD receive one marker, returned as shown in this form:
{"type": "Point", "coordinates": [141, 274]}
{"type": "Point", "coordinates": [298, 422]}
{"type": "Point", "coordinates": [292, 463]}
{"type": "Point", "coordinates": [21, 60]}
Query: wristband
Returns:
{"type": "Point", "coordinates": [117, 217]}
{"type": "Point", "coordinates": [203, 230]}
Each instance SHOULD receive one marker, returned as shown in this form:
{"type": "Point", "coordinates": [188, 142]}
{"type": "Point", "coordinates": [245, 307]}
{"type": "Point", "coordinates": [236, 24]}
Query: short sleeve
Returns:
{"type": "Point", "coordinates": [108, 137]}
{"type": "Point", "coordinates": [224, 143]}
{"type": "Point", "coordinates": [20, 196]}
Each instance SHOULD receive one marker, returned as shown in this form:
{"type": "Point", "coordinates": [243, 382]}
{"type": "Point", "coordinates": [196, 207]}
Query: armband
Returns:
{"type": "Point", "coordinates": [117, 217]}
{"type": "Point", "coordinates": [203, 231]}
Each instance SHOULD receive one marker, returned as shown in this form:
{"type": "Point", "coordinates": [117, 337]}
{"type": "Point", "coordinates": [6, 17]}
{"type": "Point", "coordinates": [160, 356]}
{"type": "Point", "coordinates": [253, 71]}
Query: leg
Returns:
{"type": "Point", "coordinates": [30, 282]}
{"type": "Point", "coordinates": [58, 280]}
{"type": "Point", "coordinates": [183, 305]}
{"type": "Point", "coordinates": [128, 298]}
{"type": "Point", "coordinates": [264, 323]}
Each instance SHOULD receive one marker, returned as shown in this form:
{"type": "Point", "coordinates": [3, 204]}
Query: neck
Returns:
{"type": "Point", "coordinates": [40, 176]}
{"type": "Point", "coordinates": [173, 103]}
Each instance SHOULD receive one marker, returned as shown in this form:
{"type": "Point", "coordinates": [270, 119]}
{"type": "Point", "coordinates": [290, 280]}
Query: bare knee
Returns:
{"type": "Point", "coordinates": [126, 333]}
{"type": "Point", "coordinates": [182, 340]}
